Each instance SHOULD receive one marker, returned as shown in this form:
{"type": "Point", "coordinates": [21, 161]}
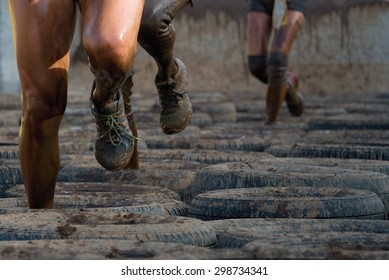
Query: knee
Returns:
{"type": "Point", "coordinates": [257, 66]}
{"type": "Point", "coordinates": [44, 95]}
{"type": "Point", "coordinates": [111, 52]}
{"type": "Point", "coordinates": [277, 67]}
{"type": "Point", "coordinates": [39, 107]}
{"type": "Point", "coordinates": [158, 27]}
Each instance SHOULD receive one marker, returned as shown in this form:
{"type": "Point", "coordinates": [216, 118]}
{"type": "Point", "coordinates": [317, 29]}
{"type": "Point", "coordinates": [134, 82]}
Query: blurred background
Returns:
{"type": "Point", "coordinates": [343, 48]}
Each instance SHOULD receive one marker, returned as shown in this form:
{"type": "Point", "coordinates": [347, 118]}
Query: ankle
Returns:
{"type": "Point", "coordinates": [167, 73]}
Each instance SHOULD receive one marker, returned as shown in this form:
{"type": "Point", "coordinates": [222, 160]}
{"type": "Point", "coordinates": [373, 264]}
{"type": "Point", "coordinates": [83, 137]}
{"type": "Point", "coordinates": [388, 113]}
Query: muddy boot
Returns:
{"type": "Point", "coordinates": [127, 92]}
{"type": "Point", "coordinates": [293, 98]}
{"type": "Point", "coordinates": [114, 145]}
{"type": "Point", "coordinates": [176, 109]}
{"type": "Point", "coordinates": [274, 99]}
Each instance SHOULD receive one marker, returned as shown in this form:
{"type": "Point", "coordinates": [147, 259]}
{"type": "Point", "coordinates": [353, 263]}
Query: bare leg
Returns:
{"type": "Point", "coordinates": [286, 35]}
{"type": "Point", "coordinates": [259, 26]}
{"type": "Point", "coordinates": [259, 32]}
{"type": "Point", "coordinates": [109, 37]}
{"type": "Point", "coordinates": [43, 70]}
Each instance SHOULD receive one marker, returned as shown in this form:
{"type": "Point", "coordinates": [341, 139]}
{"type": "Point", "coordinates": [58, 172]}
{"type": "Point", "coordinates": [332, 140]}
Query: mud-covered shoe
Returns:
{"type": "Point", "coordinates": [176, 109]}
{"type": "Point", "coordinates": [114, 145]}
{"type": "Point", "coordinates": [293, 98]}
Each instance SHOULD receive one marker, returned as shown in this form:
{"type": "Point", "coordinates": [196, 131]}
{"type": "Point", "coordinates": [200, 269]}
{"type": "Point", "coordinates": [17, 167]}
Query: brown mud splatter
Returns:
{"type": "Point", "coordinates": [66, 231]}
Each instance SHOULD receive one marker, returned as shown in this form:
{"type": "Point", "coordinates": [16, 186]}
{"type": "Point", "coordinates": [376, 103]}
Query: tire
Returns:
{"type": "Point", "coordinates": [107, 189]}
{"type": "Point", "coordinates": [235, 233]}
{"type": "Point", "coordinates": [276, 174]}
{"type": "Point", "coordinates": [115, 226]}
{"type": "Point", "coordinates": [146, 162]}
{"type": "Point", "coordinates": [250, 106]}
{"type": "Point", "coordinates": [201, 120]}
{"type": "Point", "coordinates": [77, 117]}
{"type": "Point", "coordinates": [9, 152]}
{"type": "Point", "coordinates": [287, 202]}
{"type": "Point", "coordinates": [281, 226]}
{"type": "Point", "coordinates": [350, 137]}
{"type": "Point", "coordinates": [96, 249]}
{"type": "Point", "coordinates": [339, 151]}
{"type": "Point", "coordinates": [111, 197]}
{"type": "Point", "coordinates": [348, 240]}
{"type": "Point", "coordinates": [379, 166]}
{"type": "Point", "coordinates": [278, 150]}
{"type": "Point", "coordinates": [250, 117]}
{"type": "Point", "coordinates": [9, 136]}
{"type": "Point", "coordinates": [219, 112]}
{"type": "Point", "coordinates": [203, 156]}
{"type": "Point", "coordinates": [10, 175]}
{"type": "Point", "coordinates": [201, 253]}
{"type": "Point", "coordinates": [238, 143]}
{"type": "Point", "coordinates": [173, 179]}
{"type": "Point", "coordinates": [267, 251]}
{"type": "Point", "coordinates": [91, 202]}
{"type": "Point", "coordinates": [76, 147]}
{"type": "Point", "coordinates": [10, 119]}
{"type": "Point", "coordinates": [367, 109]}
{"type": "Point", "coordinates": [146, 209]}
{"type": "Point", "coordinates": [10, 101]}
{"type": "Point", "coordinates": [201, 97]}
{"type": "Point", "coordinates": [351, 121]}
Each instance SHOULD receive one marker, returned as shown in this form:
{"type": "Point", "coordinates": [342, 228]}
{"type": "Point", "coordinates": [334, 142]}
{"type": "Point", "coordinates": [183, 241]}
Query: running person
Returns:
{"type": "Point", "coordinates": [157, 37]}
{"type": "Point", "coordinates": [268, 61]}
{"type": "Point", "coordinates": [43, 31]}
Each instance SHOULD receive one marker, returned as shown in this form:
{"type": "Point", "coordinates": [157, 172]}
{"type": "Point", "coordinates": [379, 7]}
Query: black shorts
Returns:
{"type": "Point", "coordinates": [266, 6]}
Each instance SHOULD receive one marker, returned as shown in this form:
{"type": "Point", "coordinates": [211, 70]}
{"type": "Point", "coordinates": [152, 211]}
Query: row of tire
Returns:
{"type": "Point", "coordinates": [222, 189]}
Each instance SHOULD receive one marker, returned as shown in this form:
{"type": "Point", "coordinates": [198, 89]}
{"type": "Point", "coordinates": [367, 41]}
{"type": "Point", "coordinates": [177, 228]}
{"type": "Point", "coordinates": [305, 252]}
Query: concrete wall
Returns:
{"type": "Point", "coordinates": [342, 48]}
{"type": "Point", "coordinates": [8, 72]}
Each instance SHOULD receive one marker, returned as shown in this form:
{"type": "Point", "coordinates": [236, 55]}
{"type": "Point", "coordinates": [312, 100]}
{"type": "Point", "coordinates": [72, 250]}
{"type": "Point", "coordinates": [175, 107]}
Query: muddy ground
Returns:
{"type": "Point", "coordinates": [330, 165]}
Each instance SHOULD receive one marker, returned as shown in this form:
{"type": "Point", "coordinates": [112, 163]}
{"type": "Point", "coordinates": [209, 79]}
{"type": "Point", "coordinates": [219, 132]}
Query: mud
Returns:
{"type": "Point", "coordinates": [66, 230]}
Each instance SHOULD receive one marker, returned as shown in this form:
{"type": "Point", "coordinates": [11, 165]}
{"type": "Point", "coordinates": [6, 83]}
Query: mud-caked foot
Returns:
{"type": "Point", "coordinates": [114, 144]}
{"type": "Point", "coordinates": [293, 98]}
{"type": "Point", "coordinates": [176, 108]}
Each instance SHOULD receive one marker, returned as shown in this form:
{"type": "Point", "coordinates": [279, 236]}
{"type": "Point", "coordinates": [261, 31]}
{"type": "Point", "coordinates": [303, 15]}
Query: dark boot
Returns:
{"type": "Point", "coordinates": [176, 109]}
{"type": "Point", "coordinates": [114, 145]}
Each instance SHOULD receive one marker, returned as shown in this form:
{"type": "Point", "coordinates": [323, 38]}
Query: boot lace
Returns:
{"type": "Point", "coordinates": [114, 130]}
{"type": "Point", "coordinates": [168, 95]}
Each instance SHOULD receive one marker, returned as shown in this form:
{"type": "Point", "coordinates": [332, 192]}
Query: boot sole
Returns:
{"type": "Point", "coordinates": [180, 127]}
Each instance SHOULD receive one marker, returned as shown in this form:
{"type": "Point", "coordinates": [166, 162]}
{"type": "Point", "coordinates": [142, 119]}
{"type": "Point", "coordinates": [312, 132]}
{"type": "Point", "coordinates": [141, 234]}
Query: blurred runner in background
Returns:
{"type": "Point", "coordinates": [268, 61]}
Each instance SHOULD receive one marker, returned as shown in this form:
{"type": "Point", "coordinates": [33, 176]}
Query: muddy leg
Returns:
{"type": "Point", "coordinates": [157, 37]}
{"type": "Point", "coordinates": [280, 87]}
